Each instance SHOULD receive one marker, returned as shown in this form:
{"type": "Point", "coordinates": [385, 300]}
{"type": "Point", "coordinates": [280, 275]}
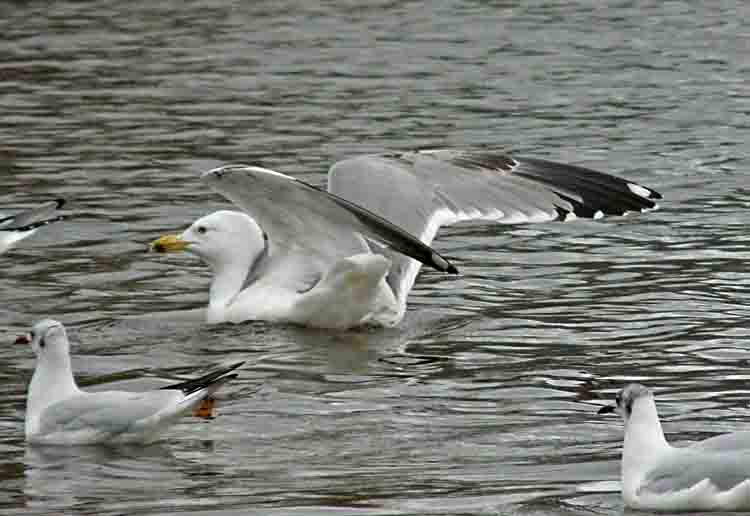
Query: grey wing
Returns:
{"type": "Point", "coordinates": [726, 442]}
{"type": "Point", "coordinates": [109, 411]}
{"type": "Point", "coordinates": [33, 217]}
{"type": "Point", "coordinates": [307, 227]}
{"type": "Point", "coordinates": [423, 190]}
{"type": "Point", "coordinates": [687, 467]}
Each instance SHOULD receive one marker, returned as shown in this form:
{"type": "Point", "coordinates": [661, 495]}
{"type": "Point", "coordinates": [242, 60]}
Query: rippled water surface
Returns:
{"type": "Point", "coordinates": [484, 400]}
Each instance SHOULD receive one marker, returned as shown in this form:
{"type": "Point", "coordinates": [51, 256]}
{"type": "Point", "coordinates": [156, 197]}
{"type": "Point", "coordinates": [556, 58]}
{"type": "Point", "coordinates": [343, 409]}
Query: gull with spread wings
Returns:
{"type": "Point", "coordinates": [349, 256]}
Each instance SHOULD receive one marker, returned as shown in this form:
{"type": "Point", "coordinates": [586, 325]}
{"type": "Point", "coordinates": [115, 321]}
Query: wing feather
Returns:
{"type": "Point", "coordinates": [308, 226]}
{"type": "Point", "coordinates": [689, 467]}
{"type": "Point", "coordinates": [111, 412]}
{"type": "Point", "coordinates": [33, 217]}
{"type": "Point", "coordinates": [423, 190]}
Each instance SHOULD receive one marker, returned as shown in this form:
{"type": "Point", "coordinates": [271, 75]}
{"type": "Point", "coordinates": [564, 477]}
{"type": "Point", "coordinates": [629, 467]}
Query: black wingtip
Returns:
{"type": "Point", "coordinates": [589, 192]}
{"type": "Point", "coordinates": [196, 384]}
{"type": "Point", "coordinates": [606, 409]}
{"type": "Point", "coordinates": [38, 224]}
{"type": "Point", "coordinates": [232, 366]}
{"type": "Point", "coordinates": [235, 365]}
{"type": "Point", "coordinates": [451, 269]}
{"type": "Point", "coordinates": [60, 202]}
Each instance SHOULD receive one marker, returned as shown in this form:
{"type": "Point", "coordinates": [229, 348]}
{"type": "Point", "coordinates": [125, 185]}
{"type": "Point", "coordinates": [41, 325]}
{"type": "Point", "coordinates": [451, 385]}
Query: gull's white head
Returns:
{"type": "Point", "coordinates": [218, 239]}
{"type": "Point", "coordinates": [48, 340]}
{"type": "Point", "coordinates": [629, 401]}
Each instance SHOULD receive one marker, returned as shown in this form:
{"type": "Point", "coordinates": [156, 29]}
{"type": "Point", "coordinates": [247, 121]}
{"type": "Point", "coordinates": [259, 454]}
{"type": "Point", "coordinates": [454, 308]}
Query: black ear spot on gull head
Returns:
{"type": "Point", "coordinates": [628, 406]}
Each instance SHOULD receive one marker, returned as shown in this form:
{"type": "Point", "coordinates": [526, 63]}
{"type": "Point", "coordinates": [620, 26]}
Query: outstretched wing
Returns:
{"type": "Point", "coordinates": [422, 190]}
{"type": "Point", "coordinates": [309, 229]}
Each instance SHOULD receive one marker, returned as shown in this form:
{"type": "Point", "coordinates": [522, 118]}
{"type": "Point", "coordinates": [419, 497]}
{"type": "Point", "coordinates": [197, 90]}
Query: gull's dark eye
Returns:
{"type": "Point", "coordinates": [202, 229]}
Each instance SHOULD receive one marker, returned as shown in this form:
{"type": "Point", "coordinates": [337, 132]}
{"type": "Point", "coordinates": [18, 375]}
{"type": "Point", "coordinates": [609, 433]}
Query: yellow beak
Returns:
{"type": "Point", "coordinates": [168, 244]}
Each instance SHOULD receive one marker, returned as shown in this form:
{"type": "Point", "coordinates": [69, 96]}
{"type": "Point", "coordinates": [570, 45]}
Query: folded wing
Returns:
{"type": "Point", "coordinates": [14, 228]}
{"type": "Point", "coordinates": [209, 382]}
{"type": "Point", "coordinates": [33, 217]}
{"type": "Point", "coordinates": [687, 468]}
{"type": "Point", "coordinates": [111, 412]}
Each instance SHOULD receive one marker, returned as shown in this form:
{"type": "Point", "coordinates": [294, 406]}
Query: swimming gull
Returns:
{"type": "Point", "coordinates": [349, 256]}
{"type": "Point", "coordinates": [709, 475]}
{"type": "Point", "coordinates": [58, 412]}
{"type": "Point", "coordinates": [14, 228]}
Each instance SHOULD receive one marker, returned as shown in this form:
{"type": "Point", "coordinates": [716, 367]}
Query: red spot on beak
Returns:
{"type": "Point", "coordinates": [23, 339]}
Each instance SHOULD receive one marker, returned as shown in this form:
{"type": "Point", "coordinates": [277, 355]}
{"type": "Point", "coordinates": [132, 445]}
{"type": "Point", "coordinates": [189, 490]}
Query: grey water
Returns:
{"type": "Point", "coordinates": [483, 401]}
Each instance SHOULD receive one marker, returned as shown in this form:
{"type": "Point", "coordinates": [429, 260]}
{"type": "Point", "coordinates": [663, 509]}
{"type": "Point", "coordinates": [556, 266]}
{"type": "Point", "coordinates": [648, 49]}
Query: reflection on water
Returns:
{"type": "Point", "coordinates": [58, 478]}
{"type": "Point", "coordinates": [484, 400]}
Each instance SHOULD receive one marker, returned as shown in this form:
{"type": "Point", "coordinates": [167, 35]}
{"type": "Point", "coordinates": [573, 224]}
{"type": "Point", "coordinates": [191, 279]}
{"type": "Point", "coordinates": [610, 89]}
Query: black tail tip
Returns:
{"type": "Point", "coordinates": [60, 202]}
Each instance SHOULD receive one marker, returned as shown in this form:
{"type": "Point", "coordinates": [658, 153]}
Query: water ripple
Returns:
{"type": "Point", "coordinates": [484, 400]}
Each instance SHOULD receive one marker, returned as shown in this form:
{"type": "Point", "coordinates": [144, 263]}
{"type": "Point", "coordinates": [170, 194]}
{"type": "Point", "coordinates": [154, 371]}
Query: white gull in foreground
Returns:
{"type": "Point", "coordinates": [58, 412]}
{"type": "Point", "coordinates": [710, 475]}
{"type": "Point", "coordinates": [349, 256]}
{"type": "Point", "coordinates": [14, 228]}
